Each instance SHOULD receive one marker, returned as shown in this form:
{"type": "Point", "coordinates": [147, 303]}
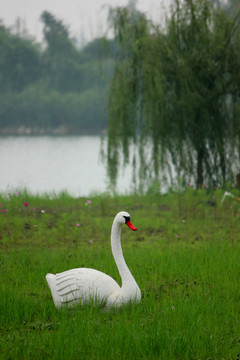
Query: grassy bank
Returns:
{"type": "Point", "coordinates": [185, 258]}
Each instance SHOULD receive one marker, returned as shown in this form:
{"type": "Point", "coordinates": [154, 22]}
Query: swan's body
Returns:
{"type": "Point", "coordinates": [83, 285]}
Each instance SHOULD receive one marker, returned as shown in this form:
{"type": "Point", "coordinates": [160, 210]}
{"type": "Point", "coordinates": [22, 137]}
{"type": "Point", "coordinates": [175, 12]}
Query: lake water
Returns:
{"type": "Point", "coordinates": [54, 164]}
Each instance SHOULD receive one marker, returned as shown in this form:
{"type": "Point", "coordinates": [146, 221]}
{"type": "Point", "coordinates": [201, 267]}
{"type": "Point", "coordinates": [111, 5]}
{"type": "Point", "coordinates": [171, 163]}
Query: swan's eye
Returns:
{"type": "Point", "coordinates": [127, 218]}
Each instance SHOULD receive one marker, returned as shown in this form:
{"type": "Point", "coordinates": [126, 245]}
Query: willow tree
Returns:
{"type": "Point", "coordinates": [174, 96]}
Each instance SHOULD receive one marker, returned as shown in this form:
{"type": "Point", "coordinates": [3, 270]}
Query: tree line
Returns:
{"type": "Point", "coordinates": [174, 104]}
{"type": "Point", "coordinates": [52, 87]}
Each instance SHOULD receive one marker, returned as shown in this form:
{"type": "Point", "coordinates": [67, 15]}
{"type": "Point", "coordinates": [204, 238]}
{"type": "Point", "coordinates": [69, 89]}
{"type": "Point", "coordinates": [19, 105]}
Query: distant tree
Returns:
{"type": "Point", "coordinates": [19, 61]}
{"type": "Point", "coordinates": [177, 92]}
{"type": "Point", "coordinates": [57, 36]}
{"type": "Point", "coordinates": [60, 59]}
{"type": "Point", "coordinates": [100, 49]}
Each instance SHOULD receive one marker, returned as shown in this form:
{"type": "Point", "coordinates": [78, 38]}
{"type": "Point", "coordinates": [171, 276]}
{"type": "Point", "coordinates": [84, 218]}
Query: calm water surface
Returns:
{"type": "Point", "coordinates": [54, 164]}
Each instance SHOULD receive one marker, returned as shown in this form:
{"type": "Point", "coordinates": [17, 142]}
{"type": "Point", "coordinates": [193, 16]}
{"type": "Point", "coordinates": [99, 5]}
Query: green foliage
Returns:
{"type": "Point", "coordinates": [57, 86]}
{"type": "Point", "coordinates": [44, 111]}
{"type": "Point", "coordinates": [175, 93]}
{"type": "Point", "coordinates": [19, 61]}
{"type": "Point", "coordinates": [184, 256]}
{"type": "Point", "coordinates": [57, 36]}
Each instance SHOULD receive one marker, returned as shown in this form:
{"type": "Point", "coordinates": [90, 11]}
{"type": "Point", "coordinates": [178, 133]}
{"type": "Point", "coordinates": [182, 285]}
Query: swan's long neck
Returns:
{"type": "Point", "coordinates": [123, 269]}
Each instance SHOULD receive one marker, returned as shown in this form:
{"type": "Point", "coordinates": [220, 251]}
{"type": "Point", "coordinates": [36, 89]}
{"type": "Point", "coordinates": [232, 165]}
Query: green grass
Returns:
{"type": "Point", "coordinates": [185, 258]}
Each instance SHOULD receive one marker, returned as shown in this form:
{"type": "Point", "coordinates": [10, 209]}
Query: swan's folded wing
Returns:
{"type": "Point", "coordinates": [83, 284]}
{"type": "Point", "coordinates": [67, 287]}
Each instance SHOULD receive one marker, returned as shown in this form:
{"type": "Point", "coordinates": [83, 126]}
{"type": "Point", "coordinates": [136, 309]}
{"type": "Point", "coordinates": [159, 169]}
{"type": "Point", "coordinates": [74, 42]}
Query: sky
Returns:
{"type": "Point", "coordinates": [86, 19]}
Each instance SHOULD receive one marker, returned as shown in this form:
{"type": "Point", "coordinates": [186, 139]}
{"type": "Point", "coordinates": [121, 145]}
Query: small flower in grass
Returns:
{"type": "Point", "coordinates": [88, 202]}
{"type": "Point", "coordinates": [3, 211]}
{"type": "Point", "coordinates": [25, 204]}
{"type": "Point", "coordinates": [43, 211]}
{"type": "Point", "coordinates": [78, 225]}
{"type": "Point", "coordinates": [190, 184]}
{"type": "Point", "coordinates": [177, 236]}
{"type": "Point", "coordinates": [90, 242]}
{"type": "Point", "coordinates": [16, 193]}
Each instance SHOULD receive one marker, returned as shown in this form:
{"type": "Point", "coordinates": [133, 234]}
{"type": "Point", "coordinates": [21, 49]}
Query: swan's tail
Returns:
{"type": "Point", "coordinates": [51, 280]}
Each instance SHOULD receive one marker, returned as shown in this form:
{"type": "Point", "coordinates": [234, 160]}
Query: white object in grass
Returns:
{"type": "Point", "coordinates": [226, 194]}
{"type": "Point", "coordinates": [83, 285]}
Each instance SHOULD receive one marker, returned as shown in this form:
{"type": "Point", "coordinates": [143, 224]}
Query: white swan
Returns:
{"type": "Point", "coordinates": [82, 285]}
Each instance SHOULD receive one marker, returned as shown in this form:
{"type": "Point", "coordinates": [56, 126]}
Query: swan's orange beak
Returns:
{"type": "Point", "coordinates": [131, 226]}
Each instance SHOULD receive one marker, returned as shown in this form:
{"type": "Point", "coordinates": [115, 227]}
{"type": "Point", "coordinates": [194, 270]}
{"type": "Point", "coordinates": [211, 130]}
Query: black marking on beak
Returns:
{"type": "Point", "coordinates": [127, 218]}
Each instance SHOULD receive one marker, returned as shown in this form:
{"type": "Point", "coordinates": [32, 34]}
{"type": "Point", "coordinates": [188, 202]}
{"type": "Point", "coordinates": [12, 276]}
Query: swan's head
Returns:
{"type": "Point", "coordinates": [123, 217]}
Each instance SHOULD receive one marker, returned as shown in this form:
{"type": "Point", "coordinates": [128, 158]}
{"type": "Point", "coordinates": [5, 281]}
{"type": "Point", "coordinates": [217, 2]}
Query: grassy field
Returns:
{"type": "Point", "coordinates": [185, 257]}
